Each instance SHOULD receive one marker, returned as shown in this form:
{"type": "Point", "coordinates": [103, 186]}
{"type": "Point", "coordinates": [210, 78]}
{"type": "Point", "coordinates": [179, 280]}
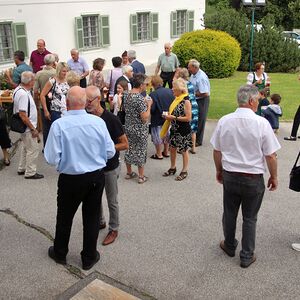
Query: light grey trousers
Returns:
{"type": "Point", "coordinates": [111, 190]}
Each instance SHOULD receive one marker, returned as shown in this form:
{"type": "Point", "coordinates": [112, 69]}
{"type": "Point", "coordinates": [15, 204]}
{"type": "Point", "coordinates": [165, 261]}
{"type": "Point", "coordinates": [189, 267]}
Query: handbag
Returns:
{"type": "Point", "coordinates": [295, 176]}
{"type": "Point", "coordinates": [48, 99]}
{"type": "Point", "coordinates": [16, 123]}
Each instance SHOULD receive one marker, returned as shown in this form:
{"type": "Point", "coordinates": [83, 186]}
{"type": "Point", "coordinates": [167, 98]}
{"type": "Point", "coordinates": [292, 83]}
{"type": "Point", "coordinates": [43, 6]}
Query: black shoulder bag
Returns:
{"type": "Point", "coordinates": [17, 124]}
{"type": "Point", "coordinates": [121, 112]}
{"type": "Point", "coordinates": [295, 176]}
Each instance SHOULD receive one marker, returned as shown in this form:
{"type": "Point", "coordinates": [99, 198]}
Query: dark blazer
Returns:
{"type": "Point", "coordinates": [162, 99]}
{"type": "Point", "coordinates": [138, 67]}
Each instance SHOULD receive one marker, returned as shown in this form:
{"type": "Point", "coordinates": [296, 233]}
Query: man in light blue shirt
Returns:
{"type": "Point", "coordinates": [79, 66]}
{"type": "Point", "coordinates": [201, 85]}
{"type": "Point", "coordinates": [79, 145]}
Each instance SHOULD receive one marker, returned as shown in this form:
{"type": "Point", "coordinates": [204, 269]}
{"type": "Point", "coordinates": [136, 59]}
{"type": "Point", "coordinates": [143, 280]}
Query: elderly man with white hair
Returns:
{"type": "Point", "coordinates": [25, 106]}
{"type": "Point", "coordinates": [168, 63]}
{"type": "Point", "coordinates": [201, 86]}
{"type": "Point", "coordinates": [137, 66]}
{"type": "Point", "coordinates": [79, 145]}
{"type": "Point", "coordinates": [243, 144]}
{"type": "Point", "coordinates": [127, 75]}
{"type": "Point", "coordinates": [80, 66]}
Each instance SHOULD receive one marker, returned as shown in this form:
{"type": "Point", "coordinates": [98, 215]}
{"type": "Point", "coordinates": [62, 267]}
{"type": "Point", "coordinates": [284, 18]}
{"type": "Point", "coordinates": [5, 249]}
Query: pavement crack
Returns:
{"type": "Point", "coordinates": [72, 269]}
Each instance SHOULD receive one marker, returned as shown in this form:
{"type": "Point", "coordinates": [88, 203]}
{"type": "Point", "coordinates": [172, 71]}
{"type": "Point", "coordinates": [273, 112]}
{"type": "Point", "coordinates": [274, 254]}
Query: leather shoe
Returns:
{"type": "Point", "coordinates": [290, 138]}
{"type": "Point", "coordinates": [21, 172]}
{"type": "Point", "coordinates": [102, 226]}
{"type": "Point", "coordinates": [87, 266]}
{"type": "Point", "coordinates": [110, 238]}
{"type": "Point", "coordinates": [229, 252]}
{"type": "Point", "coordinates": [35, 176]}
{"type": "Point", "coordinates": [246, 264]}
{"type": "Point", "coordinates": [52, 255]}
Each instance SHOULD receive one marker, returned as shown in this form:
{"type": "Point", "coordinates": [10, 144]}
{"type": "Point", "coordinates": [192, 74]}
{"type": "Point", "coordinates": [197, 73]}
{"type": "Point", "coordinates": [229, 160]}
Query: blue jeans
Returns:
{"type": "Point", "coordinates": [248, 193]}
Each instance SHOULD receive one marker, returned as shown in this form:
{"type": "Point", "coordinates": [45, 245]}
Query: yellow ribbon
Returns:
{"type": "Point", "coordinates": [173, 105]}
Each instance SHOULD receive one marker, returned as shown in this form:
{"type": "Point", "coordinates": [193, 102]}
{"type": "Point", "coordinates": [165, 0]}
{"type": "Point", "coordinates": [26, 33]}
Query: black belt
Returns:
{"type": "Point", "coordinates": [244, 174]}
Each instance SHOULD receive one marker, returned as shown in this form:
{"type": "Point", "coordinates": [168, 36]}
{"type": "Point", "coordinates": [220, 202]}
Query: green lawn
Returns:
{"type": "Point", "coordinates": [223, 93]}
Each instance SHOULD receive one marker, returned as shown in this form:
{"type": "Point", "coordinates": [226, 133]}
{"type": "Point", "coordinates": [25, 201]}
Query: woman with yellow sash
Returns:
{"type": "Point", "coordinates": [178, 121]}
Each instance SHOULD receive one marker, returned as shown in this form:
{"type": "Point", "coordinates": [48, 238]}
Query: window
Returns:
{"type": "Point", "coordinates": [92, 31]}
{"type": "Point", "coordinates": [143, 27]}
{"type": "Point", "coordinates": [12, 38]}
{"type": "Point", "coordinates": [181, 21]}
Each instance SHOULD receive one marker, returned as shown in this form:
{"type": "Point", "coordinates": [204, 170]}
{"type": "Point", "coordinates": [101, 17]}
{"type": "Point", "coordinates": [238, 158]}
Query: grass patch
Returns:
{"type": "Point", "coordinates": [223, 94]}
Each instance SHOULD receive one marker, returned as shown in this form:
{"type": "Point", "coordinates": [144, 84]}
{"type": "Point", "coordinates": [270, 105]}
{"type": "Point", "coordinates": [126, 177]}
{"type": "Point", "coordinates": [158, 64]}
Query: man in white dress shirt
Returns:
{"type": "Point", "coordinates": [243, 144]}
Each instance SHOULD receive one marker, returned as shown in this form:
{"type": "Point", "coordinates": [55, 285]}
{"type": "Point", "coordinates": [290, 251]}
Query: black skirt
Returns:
{"type": "Point", "coordinates": [5, 141]}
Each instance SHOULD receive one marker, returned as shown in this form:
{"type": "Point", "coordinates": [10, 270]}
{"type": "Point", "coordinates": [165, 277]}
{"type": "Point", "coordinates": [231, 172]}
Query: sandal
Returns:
{"type": "Point", "coordinates": [7, 162]}
{"type": "Point", "coordinates": [181, 176]}
{"type": "Point", "coordinates": [131, 175]}
{"type": "Point", "coordinates": [192, 151]}
{"type": "Point", "coordinates": [142, 179]}
{"type": "Point", "coordinates": [170, 172]}
{"type": "Point", "coordinates": [165, 155]}
{"type": "Point", "coordinates": [154, 156]}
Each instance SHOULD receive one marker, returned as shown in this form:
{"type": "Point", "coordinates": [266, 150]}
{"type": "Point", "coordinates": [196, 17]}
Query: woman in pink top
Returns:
{"type": "Point", "coordinates": [96, 77]}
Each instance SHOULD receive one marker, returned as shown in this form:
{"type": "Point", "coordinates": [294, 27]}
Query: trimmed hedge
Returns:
{"type": "Point", "coordinates": [218, 53]}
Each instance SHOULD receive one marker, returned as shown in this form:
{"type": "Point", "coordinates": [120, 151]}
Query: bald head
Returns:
{"type": "Point", "coordinates": [92, 92]}
{"type": "Point", "coordinates": [76, 98]}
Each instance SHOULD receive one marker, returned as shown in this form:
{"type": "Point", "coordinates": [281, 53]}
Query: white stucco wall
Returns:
{"type": "Point", "coordinates": [54, 21]}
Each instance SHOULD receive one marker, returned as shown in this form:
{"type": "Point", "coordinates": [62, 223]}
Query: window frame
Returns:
{"type": "Point", "coordinates": [4, 61]}
{"type": "Point", "coordinates": [189, 22]}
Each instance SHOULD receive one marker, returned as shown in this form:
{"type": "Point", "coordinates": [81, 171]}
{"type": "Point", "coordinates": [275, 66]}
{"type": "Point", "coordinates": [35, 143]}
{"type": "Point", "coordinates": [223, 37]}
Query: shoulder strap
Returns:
{"type": "Point", "coordinates": [28, 107]}
{"type": "Point", "coordinates": [297, 160]}
{"type": "Point", "coordinates": [253, 77]}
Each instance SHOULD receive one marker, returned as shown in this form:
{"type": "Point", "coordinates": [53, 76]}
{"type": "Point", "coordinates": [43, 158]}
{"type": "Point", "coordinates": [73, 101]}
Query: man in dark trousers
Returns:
{"type": "Point", "coordinates": [112, 169]}
{"type": "Point", "coordinates": [243, 143]}
{"type": "Point", "coordinates": [79, 145]}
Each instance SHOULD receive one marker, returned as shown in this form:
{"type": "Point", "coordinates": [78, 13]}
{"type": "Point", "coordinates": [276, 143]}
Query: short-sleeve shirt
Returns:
{"type": "Point", "coordinates": [80, 66]}
{"type": "Point", "coordinates": [252, 77]}
{"type": "Point", "coordinates": [18, 70]}
{"type": "Point", "coordinates": [168, 63]}
{"type": "Point", "coordinates": [244, 140]}
{"type": "Point", "coordinates": [37, 60]}
{"type": "Point", "coordinates": [42, 78]}
{"type": "Point", "coordinates": [20, 98]}
{"type": "Point", "coordinates": [200, 82]}
{"type": "Point", "coordinates": [58, 102]}
{"type": "Point", "coordinates": [116, 130]}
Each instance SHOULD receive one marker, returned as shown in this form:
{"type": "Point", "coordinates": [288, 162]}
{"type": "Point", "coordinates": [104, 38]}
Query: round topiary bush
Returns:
{"type": "Point", "coordinates": [218, 53]}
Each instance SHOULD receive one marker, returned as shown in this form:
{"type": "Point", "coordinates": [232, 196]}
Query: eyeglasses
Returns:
{"type": "Point", "coordinates": [91, 100]}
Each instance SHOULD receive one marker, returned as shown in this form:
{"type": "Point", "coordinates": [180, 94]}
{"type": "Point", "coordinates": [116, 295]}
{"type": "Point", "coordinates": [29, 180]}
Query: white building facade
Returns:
{"type": "Point", "coordinates": [103, 28]}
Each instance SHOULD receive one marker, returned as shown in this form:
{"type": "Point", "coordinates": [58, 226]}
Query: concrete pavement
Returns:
{"type": "Point", "coordinates": [168, 245]}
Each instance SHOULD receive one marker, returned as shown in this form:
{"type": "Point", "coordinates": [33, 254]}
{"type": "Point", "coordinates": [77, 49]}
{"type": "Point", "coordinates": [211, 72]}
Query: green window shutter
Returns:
{"type": "Point", "coordinates": [133, 29]}
{"type": "Point", "coordinates": [174, 24]}
{"type": "Point", "coordinates": [154, 26]}
{"type": "Point", "coordinates": [79, 33]}
{"type": "Point", "coordinates": [20, 39]}
{"type": "Point", "coordinates": [190, 20]}
{"type": "Point", "coordinates": [105, 38]}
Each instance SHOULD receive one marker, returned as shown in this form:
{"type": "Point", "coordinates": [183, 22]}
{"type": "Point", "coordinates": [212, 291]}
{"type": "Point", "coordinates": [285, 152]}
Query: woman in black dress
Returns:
{"type": "Point", "coordinates": [179, 117]}
{"type": "Point", "coordinates": [5, 142]}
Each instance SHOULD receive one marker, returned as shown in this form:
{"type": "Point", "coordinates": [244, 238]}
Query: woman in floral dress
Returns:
{"type": "Point", "coordinates": [137, 111]}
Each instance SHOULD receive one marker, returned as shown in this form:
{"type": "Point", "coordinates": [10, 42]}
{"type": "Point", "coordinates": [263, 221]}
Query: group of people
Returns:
{"type": "Point", "coordinates": [76, 112]}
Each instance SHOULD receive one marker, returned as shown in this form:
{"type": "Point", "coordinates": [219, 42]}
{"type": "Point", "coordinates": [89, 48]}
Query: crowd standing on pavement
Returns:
{"type": "Point", "coordinates": [115, 114]}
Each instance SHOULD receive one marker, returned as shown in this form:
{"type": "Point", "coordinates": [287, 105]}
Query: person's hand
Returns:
{"type": "Point", "coordinates": [272, 184]}
{"type": "Point", "coordinates": [219, 177]}
{"type": "Point", "coordinates": [35, 134]}
{"type": "Point", "coordinates": [47, 115]}
{"type": "Point", "coordinates": [259, 81]}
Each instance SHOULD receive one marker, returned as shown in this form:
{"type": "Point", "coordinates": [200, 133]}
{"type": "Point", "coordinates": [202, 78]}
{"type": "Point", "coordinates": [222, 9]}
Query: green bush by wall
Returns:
{"type": "Point", "coordinates": [219, 53]}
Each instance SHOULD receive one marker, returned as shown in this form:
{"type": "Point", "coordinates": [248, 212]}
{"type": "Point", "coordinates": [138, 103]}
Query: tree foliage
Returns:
{"type": "Point", "coordinates": [218, 52]}
{"type": "Point", "coordinates": [279, 54]}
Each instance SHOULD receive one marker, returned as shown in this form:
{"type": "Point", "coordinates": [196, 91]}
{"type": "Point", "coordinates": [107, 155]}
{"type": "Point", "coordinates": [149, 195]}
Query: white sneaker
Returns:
{"type": "Point", "coordinates": [296, 247]}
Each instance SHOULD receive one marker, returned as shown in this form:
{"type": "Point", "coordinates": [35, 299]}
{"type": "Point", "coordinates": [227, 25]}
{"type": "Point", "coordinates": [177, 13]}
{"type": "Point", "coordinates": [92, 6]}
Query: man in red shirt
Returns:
{"type": "Point", "coordinates": [37, 56]}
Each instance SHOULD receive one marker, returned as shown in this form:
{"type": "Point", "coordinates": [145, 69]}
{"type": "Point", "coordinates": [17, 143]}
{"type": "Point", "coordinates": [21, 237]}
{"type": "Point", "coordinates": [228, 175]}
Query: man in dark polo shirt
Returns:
{"type": "Point", "coordinates": [37, 56]}
{"type": "Point", "coordinates": [112, 169]}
